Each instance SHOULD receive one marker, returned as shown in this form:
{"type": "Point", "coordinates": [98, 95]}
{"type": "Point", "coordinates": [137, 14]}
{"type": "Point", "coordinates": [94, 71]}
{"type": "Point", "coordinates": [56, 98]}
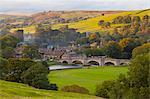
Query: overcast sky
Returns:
{"type": "Point", "coordinates": [45, 5]}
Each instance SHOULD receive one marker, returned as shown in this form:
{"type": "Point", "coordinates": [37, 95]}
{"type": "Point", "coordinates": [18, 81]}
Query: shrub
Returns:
{"type": "Point", "coordinates": [76, 89]}
{"type": "Point", "coordinates": [53, 87]}
{"type": "Point", "coordinates": [104, 89]}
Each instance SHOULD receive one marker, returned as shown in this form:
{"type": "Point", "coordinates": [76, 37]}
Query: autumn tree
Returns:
{"type": "Point", "coordinates": [143, 49]}
{"type": "Point", "coordinates": [113, 49]}
{"type": "Point", "coordinates": [127, 45]}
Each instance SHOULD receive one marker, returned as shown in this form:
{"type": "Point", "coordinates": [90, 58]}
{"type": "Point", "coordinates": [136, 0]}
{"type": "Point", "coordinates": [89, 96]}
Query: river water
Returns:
{"type": "Point", "coordinates": [60, 67]}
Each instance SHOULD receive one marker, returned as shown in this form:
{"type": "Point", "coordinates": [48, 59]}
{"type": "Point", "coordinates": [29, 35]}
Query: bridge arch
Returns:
{"type": "Point", "coordinates": [92, 62]}
{"type": "Point", "coordinates": [77, 62]}
{"type": "Point", "coordinates": [65, 62]}
{"type": "Point", "coordinates": [123, 64]}
{"type": "Point", "coordinates": [109, 64]}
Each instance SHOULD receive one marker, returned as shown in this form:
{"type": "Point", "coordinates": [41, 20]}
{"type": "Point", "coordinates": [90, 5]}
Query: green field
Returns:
{"type": "Point", "coordinates": [11, 90]}
{"type": "Point", "coordinates": [87, 78]}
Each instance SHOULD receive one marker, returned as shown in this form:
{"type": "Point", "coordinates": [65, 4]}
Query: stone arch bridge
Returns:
{"type": "Point", "coordinates": [101, 61]}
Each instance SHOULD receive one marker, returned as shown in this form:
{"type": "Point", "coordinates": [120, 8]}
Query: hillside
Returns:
{"type": "Point", "coordinates": [53, 17]}
{"type": "Point", "coordinates": [88, 22]}
{"type": "Point", "coordinates": [91, 25]}
{"type": "Point", "coordinates": [68, 14]}
{"type": "Point", "coordinates": [21, 91]}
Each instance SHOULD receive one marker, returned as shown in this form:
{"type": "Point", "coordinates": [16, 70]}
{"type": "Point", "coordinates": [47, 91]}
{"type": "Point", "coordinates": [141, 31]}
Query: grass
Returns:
{"type": "Point", "coordinates": [29, 29]}
{"type": "Point", "coordinates": [91, 25]}
{"type": "Point", "coordinates": [12, 90]}
{"type": "Point", "coordinates": [87, 78]}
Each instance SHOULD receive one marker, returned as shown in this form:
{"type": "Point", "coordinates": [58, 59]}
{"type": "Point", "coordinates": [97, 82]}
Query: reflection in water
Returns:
{"type": "Point", "coordinates": [59, 67]}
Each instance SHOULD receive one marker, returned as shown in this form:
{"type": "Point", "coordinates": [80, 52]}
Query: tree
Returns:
{"type": "Point", "coordinates": [93, 52]}
{"type": "Point", "coordinates": [8, 41]}
{"type": "Point", "coordinates": [143, 49]}
{"type": "Point", "coordinates": [16, 67]}
{"type": "Point", "coordinates": [127, 45]}
{"type": "Point", "coordinates": [127, 19]}
{"type": "Point", "coordinates": [3, 69]}
{"type": "Point", "coordinates": [83, 40]}
{"type": "Point", "coordinates": [31, 52]}
{"type": "Point", "coordinates": [139, 71]}
{"type": "Point", "coordinates": [36, 76]}
{"type": "Point", "coordinates": [7, 52]}
{"type": "Point", "coordinates": [107, 24]}
{"type": "Point", "coordinates": [101, 22]}
{"type": "Point", "coordinates": [133, 86]}
{"type": "Point", "coordinates": [113, 50]}
{"type": "Point", "coordinates": [136, 19]}
{"type": "Point", "coordinates": [118, 20]}
{"type": "Point", "coordinates": [93, 36]}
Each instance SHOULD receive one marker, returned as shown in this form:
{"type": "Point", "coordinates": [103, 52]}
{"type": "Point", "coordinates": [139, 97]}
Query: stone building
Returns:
{"type": "Point", "coordinates": [51, 53]}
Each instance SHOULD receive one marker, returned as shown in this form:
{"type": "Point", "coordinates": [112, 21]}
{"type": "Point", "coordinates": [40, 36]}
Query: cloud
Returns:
{"type": "Point", "coordinates": [40, 5]}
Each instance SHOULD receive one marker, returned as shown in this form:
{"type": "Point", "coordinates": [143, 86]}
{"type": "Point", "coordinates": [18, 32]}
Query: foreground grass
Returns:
{"type": "Point", "coordinates": [11, 90]}
{"type": "Point", "coordinates": [87, 78]}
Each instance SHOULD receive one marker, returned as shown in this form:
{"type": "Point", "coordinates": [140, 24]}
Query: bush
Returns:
{"type": "Point", "coordinates": [104, 89]}
{"type": "Point", "coordinates": [53, 87]}
{"type": "Point", "coordinates": [76, 89]}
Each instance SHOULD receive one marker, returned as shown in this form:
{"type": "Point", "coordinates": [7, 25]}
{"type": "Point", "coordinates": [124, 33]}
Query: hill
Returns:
{"type": "Point", "coordinates": [55, 17]}
{"type": "Point", "coordinates": [9, 90]}
{"type": "Point", "coordinates": [82, 21]}
{"type": "Point", "coordinates": [91, 25]}
{"type": "Point", "coordinates": [42, 16]}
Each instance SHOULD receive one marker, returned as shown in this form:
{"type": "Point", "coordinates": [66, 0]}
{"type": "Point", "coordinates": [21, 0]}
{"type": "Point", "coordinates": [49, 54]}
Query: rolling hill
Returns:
{"type": "Point", "coordinates": [91, 25]}
{"type": "Point", "coordinates": [12, 90]}
{"type": "Point", "coordinates": [86, 25]}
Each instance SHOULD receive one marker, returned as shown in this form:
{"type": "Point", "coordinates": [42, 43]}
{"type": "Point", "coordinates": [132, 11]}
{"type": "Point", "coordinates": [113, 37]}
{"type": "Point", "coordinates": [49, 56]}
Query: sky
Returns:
{"type": "Point", "coordinates": [57, 5]}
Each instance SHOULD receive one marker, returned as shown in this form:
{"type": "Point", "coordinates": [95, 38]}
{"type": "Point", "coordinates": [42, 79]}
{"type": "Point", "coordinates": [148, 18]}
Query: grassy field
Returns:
{"type": "Point", "coordinates": [11, 90]}
{"type": "Point", "coordinates": [87, 78]}
{"type": "Point", "coordinates": [29, 29]}
{"type": "Point", "coordinates": [91, 25]}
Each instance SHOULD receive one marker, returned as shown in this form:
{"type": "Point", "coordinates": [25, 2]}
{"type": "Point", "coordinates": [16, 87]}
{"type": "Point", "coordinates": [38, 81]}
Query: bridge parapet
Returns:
{"type": "Point", "coordinates": [101, 60]}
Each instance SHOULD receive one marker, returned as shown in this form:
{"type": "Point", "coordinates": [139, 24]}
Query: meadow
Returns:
{"type": "Point", "coordinates": [86, 77]}
{"type": "Point", "coordinates": [12, 90]}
